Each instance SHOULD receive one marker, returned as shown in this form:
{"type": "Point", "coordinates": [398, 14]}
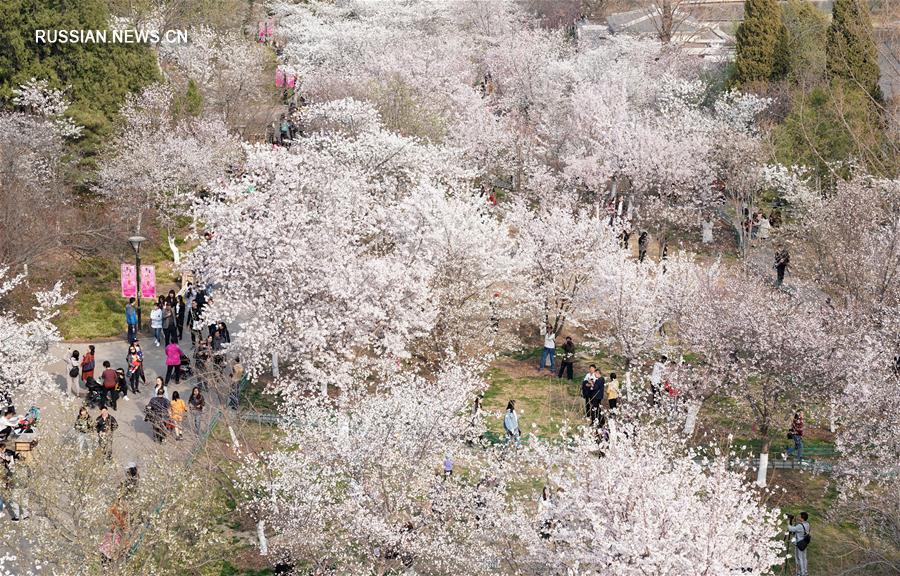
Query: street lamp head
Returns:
{"type": "Point", "coordinates": [136, 243]}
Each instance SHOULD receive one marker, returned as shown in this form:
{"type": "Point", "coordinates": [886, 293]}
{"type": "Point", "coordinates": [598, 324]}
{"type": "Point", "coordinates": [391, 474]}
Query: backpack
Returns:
{"type": "Point", "coordinates": [804, 542]}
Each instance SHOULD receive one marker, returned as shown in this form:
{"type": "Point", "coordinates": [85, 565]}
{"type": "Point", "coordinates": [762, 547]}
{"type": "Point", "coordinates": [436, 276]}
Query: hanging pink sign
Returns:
{"type": "Point", "coordinates": [148, 282]}
{"type": "Point", "coordinates": [279, 77]}
{"type": "Point", "coordinates": [129, 282]}
{"type": "Point", "coordinates": [270, 28]}
{"type": "Point", "coordinates": [261, 30]}
{"type": "Point", "coordinates": [291, 80]}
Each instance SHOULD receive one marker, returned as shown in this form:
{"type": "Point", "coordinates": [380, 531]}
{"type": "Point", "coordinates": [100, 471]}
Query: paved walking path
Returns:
{"type": "Point", "coordinates": [134, 437]}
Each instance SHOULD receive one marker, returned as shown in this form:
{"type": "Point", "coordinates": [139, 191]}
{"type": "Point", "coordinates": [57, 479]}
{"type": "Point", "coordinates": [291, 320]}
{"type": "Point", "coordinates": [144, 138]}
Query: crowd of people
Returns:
{"type": "Point", "coordinates": [166, 411]}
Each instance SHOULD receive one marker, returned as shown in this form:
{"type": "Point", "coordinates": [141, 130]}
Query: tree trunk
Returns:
{"type": "Point", "coordinates": [693, 410]}
{"type": "Point", "coordinates": [261, 534]}
{"type": "Point", "coordinates": [763, 464]}
{"type": "Point", "coordinates": [176, 253]}
{"type": "Point", "coordinates": [831, 423]}
{"type": "Point", "coordinates": [275, 371]}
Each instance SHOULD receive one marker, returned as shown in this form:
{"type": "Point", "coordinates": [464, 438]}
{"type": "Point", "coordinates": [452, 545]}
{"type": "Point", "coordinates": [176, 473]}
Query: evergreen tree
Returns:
{"type": "Point", "coordinates": [97, 76]}
{"type": "Point", "coordinates": [850, 49]}
{"type": "Point", "coordinates": [757, 38]}
{"type": "Point", "coordinates": [800, 54]}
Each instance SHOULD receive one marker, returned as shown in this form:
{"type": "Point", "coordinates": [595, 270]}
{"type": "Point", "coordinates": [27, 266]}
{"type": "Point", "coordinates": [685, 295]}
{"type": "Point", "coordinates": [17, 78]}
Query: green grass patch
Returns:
{"type": "Point", "coordinates": [98, 310]}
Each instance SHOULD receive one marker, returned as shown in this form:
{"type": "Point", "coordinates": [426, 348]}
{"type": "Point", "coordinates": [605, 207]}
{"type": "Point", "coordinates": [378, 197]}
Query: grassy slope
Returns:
{"type": "Point", "coordinates": [545, 402]}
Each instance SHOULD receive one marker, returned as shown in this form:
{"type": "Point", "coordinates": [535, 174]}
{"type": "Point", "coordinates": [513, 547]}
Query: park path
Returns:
{"type": "Point", "coordinates": [133, 439]}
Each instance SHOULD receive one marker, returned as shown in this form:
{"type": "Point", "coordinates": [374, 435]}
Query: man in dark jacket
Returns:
{"type": "Point", "coordinates": [782, 259]}
{"type": "Point", "coordinates": [568, 359]}
{"type": "Point", "coordinates": [158, 413]}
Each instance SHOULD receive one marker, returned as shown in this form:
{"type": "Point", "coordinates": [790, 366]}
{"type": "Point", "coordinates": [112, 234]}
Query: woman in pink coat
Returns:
{"type": "Point", "coordinates": [173, 362]}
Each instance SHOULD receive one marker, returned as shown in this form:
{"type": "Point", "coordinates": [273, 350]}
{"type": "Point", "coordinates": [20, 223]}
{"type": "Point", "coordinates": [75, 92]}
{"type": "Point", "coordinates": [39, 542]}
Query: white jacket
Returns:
{"type": "Point", "coordinates": [156, 317]}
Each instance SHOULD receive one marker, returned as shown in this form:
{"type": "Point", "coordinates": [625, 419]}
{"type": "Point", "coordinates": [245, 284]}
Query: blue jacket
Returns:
{"type": "Point", "coordinates": [130, 315]}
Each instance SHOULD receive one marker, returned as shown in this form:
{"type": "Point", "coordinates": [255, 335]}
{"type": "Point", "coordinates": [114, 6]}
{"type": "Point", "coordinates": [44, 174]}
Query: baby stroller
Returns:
{"type": "Point", "coordinates": [28, 422]}
{"type": "Point", "coordinates": [186, 368]}
{"type": "Point", "coordinates": [96, 396]}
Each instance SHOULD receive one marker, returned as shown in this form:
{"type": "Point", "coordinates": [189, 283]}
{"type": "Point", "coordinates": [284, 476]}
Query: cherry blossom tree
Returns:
{"type": "Point", "coordinates": [25, 344]}
{"type": "Point", "coordinates": [33, 163]}
{"type": "Point", "coordinates": [647, 504]}
{"type": "Point", "coordinates": [84, 517]}
{"type": "Point", "coordinates": [357, 486]}
{"type": "Point", "coordinates": [564, 251]}
{"type": "Point", "coordinates": [162, 162]}
{"type": "Point", "coordinates": [770, 349]}
{"type": "Point", "coordinates": [399, 247]}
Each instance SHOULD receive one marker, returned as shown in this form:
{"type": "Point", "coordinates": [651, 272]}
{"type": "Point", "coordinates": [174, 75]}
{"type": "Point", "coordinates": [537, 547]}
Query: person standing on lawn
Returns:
{"type": "Point", "coordinates": [612, 393]}
{"type": "Point", "coordinates": [511, 424]}
{"type": "Point", "coordinates": [800, 532]}
{"type": "Point", "coordinates": [588, 390]}
{"type": "Point", "coordinates": [131, 320]}
{"type": "Point", "coordinates": [568, 359]}
{"type": "Point", "coordinates": [796, 434]}
{"type": "Point", "coordinates": [549, 350]}
{"type": "Point", "coordinates": [597, 398]}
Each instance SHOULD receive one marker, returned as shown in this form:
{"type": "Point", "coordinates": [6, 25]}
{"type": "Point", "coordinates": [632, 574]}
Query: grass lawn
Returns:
{"type": "Point", "coordinates": [98, 309]}
{"type": "Point", "coordinates": [544, 403]}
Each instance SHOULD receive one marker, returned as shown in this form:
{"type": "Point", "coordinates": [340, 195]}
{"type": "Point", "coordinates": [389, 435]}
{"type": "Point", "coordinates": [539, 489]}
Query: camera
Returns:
{"type": "Point", "coordinates": [790, 518]}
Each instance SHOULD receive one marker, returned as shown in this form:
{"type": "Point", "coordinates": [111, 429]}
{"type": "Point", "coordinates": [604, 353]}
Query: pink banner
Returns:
{"type": "Point", "coordinates": [148, 282]}
{"type": "Point", "coordinates": [129, 282]}
{"type": "Point", "coordinates": [291, 80]}
{"type": "Point", "coordinates": [279, 77]}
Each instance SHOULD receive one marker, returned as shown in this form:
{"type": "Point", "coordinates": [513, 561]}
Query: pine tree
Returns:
{"type": "Point", "coordinates": [850, 49]}
{"type": "Point", "coordinates": [757, 38]}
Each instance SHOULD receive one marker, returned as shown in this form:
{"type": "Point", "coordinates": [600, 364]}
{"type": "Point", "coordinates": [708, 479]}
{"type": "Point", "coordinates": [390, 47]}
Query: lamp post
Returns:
{"type": "Point", "coordinates": [135, 242]}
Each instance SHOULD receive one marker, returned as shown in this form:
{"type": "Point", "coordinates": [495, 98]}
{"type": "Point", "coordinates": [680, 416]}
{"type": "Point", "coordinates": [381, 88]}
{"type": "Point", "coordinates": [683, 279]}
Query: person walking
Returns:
{"type": "Point", "coordinates": [567, 364]}
{"type": "Point", "coordinates": [160, 385]}
{"type": "Point", "coordinates": [707, 230]}
{"type": "Point", "coordinates": [131, 320]}
{"type": "Point", "coordinates": [179, 409]}
{"type": "Point", "coordinates": [74, 362]}
{"type": "Point", "coordinates": [158, 412]}
{"type": "Point", "coordinates": [121, 384]}
{"type": "Point", "coordinates": [180, 313]}
{"type": "Point", "coordinates": [140, 355]}
{"type": "Point", "coordinates": [134, 369]}
{"type": "Point", "coordinates": [237, 374]}
{"type": "Point", "coordinates": [170, 332]}
{"type": "Point", "coordinates": [643, 242]}
{"type": "Point", "coordinates": [196, 403]}
{"type": "Point", "coordinates": [110, 381]}
{"type": "Point", "coordinates": [587, 389]}
{"type": "Point", "coordinates": [782, 259]}
{"type": "Point", "coordinates": [195, 323]}
{"type": "Point", "coordinates": [800, 532]}
{"type": "Point", "coordinates": [87, 364]}
{"type": "Point", "coordinates": [511, 424]}
{"type": "Point", "coordinates": [156, 323]}
{"type": "Point", "coordinates": [549, 350]}
{"type": "Point", "coordinates": [796, 434]}
{"type": "Point", "coordinates": [84, 427]}
{"type": "Point", "coordinates": [105, 426]}
{"type": "Point", "coordinates": [173, 362]}
{"type": "Point", "coordinates": [612, 393]}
